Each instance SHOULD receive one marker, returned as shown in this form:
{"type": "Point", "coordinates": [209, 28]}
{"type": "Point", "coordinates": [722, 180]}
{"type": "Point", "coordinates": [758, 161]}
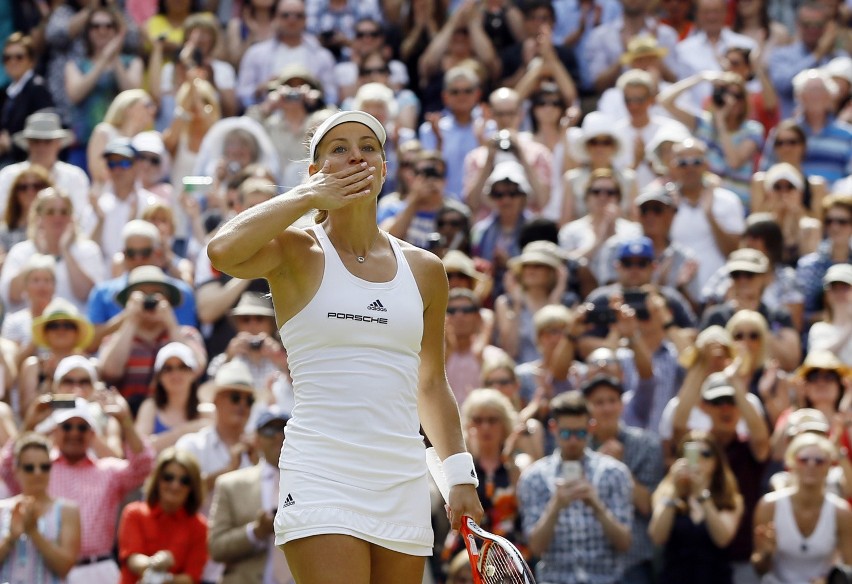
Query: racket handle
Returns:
{"type": "Point", "coordinates": [436, 469]}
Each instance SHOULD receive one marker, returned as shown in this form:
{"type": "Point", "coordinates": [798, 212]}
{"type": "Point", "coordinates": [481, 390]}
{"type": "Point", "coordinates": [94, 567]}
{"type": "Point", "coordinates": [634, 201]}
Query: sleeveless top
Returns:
{"type": "Point", "coordinates": [353, 352]}
{"type": "Point", "coordinates": [159, 426]}
{"type": "Point", "coordinates": [798, 558]}
{"type": "Point", "coordinates": [24, 564]}
{"type": "Point", "coordinates": [691, 556]}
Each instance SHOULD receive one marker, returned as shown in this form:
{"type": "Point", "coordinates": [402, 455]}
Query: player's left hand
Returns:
{"type": "Point", "coordinates": [463, 501]}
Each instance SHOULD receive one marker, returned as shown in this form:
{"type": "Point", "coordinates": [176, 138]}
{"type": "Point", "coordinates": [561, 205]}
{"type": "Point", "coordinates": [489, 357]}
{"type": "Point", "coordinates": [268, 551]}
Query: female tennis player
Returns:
{"type": "Point", "coordinates": [362, 318]}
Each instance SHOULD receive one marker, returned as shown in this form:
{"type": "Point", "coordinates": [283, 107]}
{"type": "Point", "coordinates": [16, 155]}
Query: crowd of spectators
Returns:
{"type": "Point", "coordinates": [644, 209]}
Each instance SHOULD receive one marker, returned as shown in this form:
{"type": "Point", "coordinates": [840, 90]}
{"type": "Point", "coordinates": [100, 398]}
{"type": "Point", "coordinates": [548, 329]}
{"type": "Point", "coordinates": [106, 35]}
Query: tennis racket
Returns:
{"type": "Point", "coordinates": [493, 559]}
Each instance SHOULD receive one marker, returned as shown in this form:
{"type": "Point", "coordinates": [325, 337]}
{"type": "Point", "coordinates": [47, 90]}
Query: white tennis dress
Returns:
{"type": "Point", "coordinates": [353, 462]}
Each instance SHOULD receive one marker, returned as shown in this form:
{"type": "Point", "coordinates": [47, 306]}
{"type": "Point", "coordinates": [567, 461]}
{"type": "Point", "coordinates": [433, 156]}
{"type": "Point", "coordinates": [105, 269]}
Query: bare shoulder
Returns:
{"type": "Point", "coordinates": [428, 271]}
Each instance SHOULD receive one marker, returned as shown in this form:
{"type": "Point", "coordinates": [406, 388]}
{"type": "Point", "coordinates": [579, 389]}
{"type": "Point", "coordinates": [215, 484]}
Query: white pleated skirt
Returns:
{"type": "Point", "coordinates": [396, 518]}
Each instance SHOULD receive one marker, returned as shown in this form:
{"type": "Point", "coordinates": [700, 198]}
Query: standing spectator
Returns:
{"type": "Point", "coordinates": [290, 45]}
{"type": "Point", "coordinates": [733, 140]}
{"type": "Point", "coordinates": [369, 37]}
{"type": "Point", "coordinates": [97, 485]}
{"type": "Point", "coordinates": [453, 133]}
{"type": "Point", "coordinates": [578, 523]}
{"type": "Point", "coordinates": [601, 62]}
{"type": "Point", "coordinates": [154, 166]}
{"type": "Point", "coordinates": [26, 94]}
{"type": "Point", "coordinates": [645, 54]}
{"type": "Point", "coordinates": [641, 453]}
{"type": "Point", "coordinates": [243, 508]}
{"type": "Point", "coordinates": [42, 139]}
{"type": "Point", "coordinates": [834, 332]}
{"type": "Point", "coordinates": [575, 20]}
{"type": "Point", "coordinates": [697, 509]}
{"type": "Point", "coordinates": [813, 46]}
{"type": "Point", "coordinates": [709, 218]}
{"type": "Point", "coordinates": [53, 231]}
{"type": "Point", "coordinates": [92, 82]}
{"type": "Point", "coordinates": [164, 533]}
{"type": "Point", "coordinates": [41, 532]}
{"type": "Point", "coordinates": [254, 23]}
{"type": "Point", "coordinates": [334, 22]}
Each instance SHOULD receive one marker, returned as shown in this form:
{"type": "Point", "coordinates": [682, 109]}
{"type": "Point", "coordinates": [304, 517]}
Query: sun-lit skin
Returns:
{"type": "Point", "coordinates": [173, 494]}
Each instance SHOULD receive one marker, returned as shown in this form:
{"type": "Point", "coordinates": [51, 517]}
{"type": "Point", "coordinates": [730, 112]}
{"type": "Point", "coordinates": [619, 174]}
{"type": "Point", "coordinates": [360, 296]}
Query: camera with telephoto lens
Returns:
{"type": "Point", "coordinates": [150, 302]}
{"type": "Point", "coordinates": [719, 95]}
{"type": "Point", "coordinates": [504, 140]}
{"type": "Point", "coordinates": [256, 344]}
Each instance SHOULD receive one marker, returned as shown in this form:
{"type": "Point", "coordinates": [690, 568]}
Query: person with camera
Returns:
{"type": "Point", "coordinates": [507, 143]}
{"type": "Point", "coordinates": [148, 323]}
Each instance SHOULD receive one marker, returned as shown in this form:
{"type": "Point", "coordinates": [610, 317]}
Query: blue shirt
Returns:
{"type": "Point", "coordinates": [456, 141]}
{"type": "Point", "coordinates": [101, 305]}
{"type": "Point", "coordinates": [784, 63]}
{"type": "Point", "coordinates": [828, 153]}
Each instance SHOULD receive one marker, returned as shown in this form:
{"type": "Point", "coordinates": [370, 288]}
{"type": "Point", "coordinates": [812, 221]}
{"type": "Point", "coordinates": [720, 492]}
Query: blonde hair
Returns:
{"type": "Point", "coordinates": [754, 318]}
{"type": "Point", "coordinates": [551, 314]}
{"type": "Point", "coordinates": [118, 108]}
{"type": "Point", "coordinates": [44, 196]}
{"type": "Point", "coordinates": [805, 439]}
{"type": "Point", "coordinates": [500, 360]}
{"type": "Point", "coordinates": [488, 398]}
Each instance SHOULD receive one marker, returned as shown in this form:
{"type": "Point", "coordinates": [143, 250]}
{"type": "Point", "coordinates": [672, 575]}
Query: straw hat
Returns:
{"type": "Point", "coordinates": [149, 275]}
{"type": "Point", "coordinates": [42, 126]}
{"type": "Point", "coordinates": [253, 304]}
{"type": "Point", "coordinates": [821, 359]}
{"type": "Point", "coordinates": [541, 252]}
{"type": "Point", "coordinates": [61, 309]}
{"type": "Point", "coordinates": [457, 261]}
{"type": "Point", "coordinates": [233, 375]}
{"type": "Point", "coordinates": [642, 46]}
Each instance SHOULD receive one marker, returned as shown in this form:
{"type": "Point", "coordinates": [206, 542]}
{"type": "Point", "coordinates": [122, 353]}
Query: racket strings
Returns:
{"type": "Point", "coordinates": [498, 566]}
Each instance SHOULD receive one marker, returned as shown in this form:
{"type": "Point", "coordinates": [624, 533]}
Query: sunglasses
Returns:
{"type": "Point", "coordinates": [294, 15]}
{"type": "Point", "coordinates": [124, 164]}
{"type": "Point", "coordinates": [57, 325]}
{"type": "Point", "coordinates": [152, 159]}
{"type": "Point", "coordinates": [247, 318]}
{"type": "Point", "coordinates": [600, 142]}
{"type": "Point", "coordinates": [635, 100]}
{"type": "Point", "coordinates": [429, 172]}
{"type": "Point", "coordinates": [740, 275]}
{"type": "Point", "coordinates": [783, 186]}
{"type": "Point", "coordinates": [497, 195]}
{"type": "Point", "coordinates": [811, 460]}
{"type": "Point", "coordinates": [465, 91]}
{"type": "Point", "coordinates": [455, 223]}
{"type": "Point", "coordinates": [142, 252]}
{"type": "Point", "coordinates": [480, 420]}
{"type": "Point", "coordinates": [172, 368]}
{"type": "Point", "coordinates": [372, 34]}
{"type": "Point", "coordinates": [271, 431]}
{"type": "Point", "coordinates": [502, 382]}
{"type": "Point", "coordinates": [566, 434]}
{"type": "Point", "coordinates": [596, 191]}
{"type": "Point", "coordinates": [691, 161]}
{"type": "Point", "coordinates": [462, 309]}
{"type": "Point", "coordinates": [815, 375]}
{"type": "Point", "coordinates": [168, 477]}
{"type": "Point", "coordinates": [236, 397]}
{"type": "Point", "coordinates": [78, 381]}
{"type": "Point", "coordinates": [727, 400]}
{"type": "Point", "coordinates": [751, 336]}
{"type": "Point", "coordinates": [635, 263]}
{"type": "Point", "coordinates": [81, 427]}
{"type": "Point", "coordinates": [14, 57]}
{"type": "Point", "coordinates": [30, 468]}
{"type": "Point", "coordinates": [100, 25]}
{"type": "Point", "coordinates": [33, 187]}
{"type": "Point", "coordinates": [548, 102]}
{"type": "Point", "coordinates": [375, 71]}
{"type": "Point", "coordinates": [652, 210]}
{"type": "Point", "coordinates": [787, 142]}
{"type": "Point", "coordinates": [836, 221]}
{"type": "Point", "coordinates": [55, 212]}
{"type": "Point", "coordinates": [837, 286]}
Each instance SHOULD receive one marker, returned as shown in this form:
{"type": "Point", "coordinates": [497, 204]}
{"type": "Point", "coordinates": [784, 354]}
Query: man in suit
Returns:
{"type": "Point", "coordinates": [244, 506]}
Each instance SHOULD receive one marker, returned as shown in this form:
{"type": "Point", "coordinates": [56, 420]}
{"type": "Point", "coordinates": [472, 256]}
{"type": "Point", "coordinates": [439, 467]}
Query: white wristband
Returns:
{"type": "Point", "coordinates": [459, 470]}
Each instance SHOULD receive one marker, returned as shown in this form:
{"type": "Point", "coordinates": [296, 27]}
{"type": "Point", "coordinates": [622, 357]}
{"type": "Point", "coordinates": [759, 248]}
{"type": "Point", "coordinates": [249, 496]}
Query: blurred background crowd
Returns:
{"type": "Point", "coordinates": [644, 209]}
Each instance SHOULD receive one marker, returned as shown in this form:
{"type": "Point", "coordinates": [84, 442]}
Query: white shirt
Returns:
{"type": "Point", "coordinates": [628, 133]}
{"type": "Point", "coordinates": [67, 177]}
{"type": "Point", "coordinates": [691, 229]}
{"type": "Point", "coordinates": [698, 420]}
{"type": "Point", "coordinates": [696, 54]}
{"type": "Point", "coordinates": [116, 215]}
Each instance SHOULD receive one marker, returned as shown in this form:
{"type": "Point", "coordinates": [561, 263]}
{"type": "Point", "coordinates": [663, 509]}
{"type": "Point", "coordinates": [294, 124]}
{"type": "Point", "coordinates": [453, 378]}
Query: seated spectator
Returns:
{"type": "Point", "coordinates": [154, 165]}
{"type": "Point", "coordinates": [26, 93]}
{"type": "Point", "coordinates": [785, 197]}
{"type": "Point", "coordinates": [596, 148]}
{"type": "Point", "coordinates": [290, 43]}
{"type": "Point", "coordinates": [378, 100]}
{"type": "Point", "coordinates": [834, 332]}
{"type": "Point", "coordinates": [747, 269]}
{"type": "Point", "coordinates": [782, 551]}
{"type": "Point", "coordinates": [173, 410]}
{"type": "Point", "coordinates": [697, 510]}
{"type": "Point", "coordinates": [39, 286]}
{"type": "Point", "coordinates": [835, 249]}
{"type": "Point", "coordinates": [733, 140]}
{"type": "Point", "coordinates": [576, 503]}
{"type": "Point", "coordinates": [585, 238]}
{"type": "Point", "coordinates": [640, 451]}
{"type": "Point", "coordinates": [371, 41]}
{"type": "Point", "coordinates": [788, 143]}
{"type": "Point", "coordinates": [709, 218]}
{"type": "Point", "coordinates": [147, 323]}
{"type": "Point", "coordinates": [19, 199]}
{"type": "Point", "coordinates": [42, 139]}
{"type": "Point", "coordinates": [98, 485]}
{"type": "Point", "coordinates": [164, 534]}
{"type": "Point", "coordinates": [42, 533]}
{"type": "Point", "coordinates": [334, 22]}
{"type": "Point", "coordinates": [167, 23]}
{"type": "Point", "coordinates": [131, 112]}
{"type": "Point", "coordinates": [243, 509]}
{"type": "Point", "coordinates": [463, 273]}
{"type": "Point", "coordinates": [59, 332]}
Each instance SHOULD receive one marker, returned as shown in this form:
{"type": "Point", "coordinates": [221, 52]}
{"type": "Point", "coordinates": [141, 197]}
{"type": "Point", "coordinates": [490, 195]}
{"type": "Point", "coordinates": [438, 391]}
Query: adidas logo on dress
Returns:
{"type": "Point", "coordinates": [289, 501]}
{"type": "Point", "coordinates": [377, 305]}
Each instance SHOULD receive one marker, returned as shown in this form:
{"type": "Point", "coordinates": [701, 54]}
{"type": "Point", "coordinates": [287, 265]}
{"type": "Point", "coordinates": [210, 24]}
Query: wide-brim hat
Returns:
{"type": "Point", "coordinates": [821, 359]}
{"type": "Point", "coordinates": [253, 304]}
{"type": "Point", "coordinates": [42, 126]}
{"type": "Point", "coordinates": [457, 261]}
{"type": "Point", "coordinates": [715, 386]}
{"type": "Point", "coordinates": [233, 375]}
{"type": "Point", "coordinates": [642, 46]}
{"type": "Point", "coordinates": [61, 309]}
{"type": "Point", "coordinates": [294, 71]}
{"type": "Point", "coordinates": [747, 260]}
{"type": "Point", "coordinates": [540, 252]}
{"type": "Point", "coordinates": [597, 124]}
{"type": "Point", "coordinates": [149, 275]}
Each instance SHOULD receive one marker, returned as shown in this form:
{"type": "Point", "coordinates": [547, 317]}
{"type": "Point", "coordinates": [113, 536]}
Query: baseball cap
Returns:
{"type": "Point", "coordinates": [509, 170]}
{"type": "Point", "coordinates": [178, 351]}
{"type": "Point", "coordinates": [659, 194]}
{"type": "Point", "coordinates": [716, 386]}
{"type": "Point", "coordinates": [807, 420]}
{"type": "Point", "coordinates": [271, 414]}
{"type": "Point", "coordinates": [838, 273]}
{"type": "Point", "coordinates": [641, 247]}
{"type": "Point", "coordinates": [597, 381]}
{"type": "Point", "coordinates": [343, 117]}
{"type": "Point", "coordinates": [120, 147]}
{"type": "Point", "coordinates": [747, 260]}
